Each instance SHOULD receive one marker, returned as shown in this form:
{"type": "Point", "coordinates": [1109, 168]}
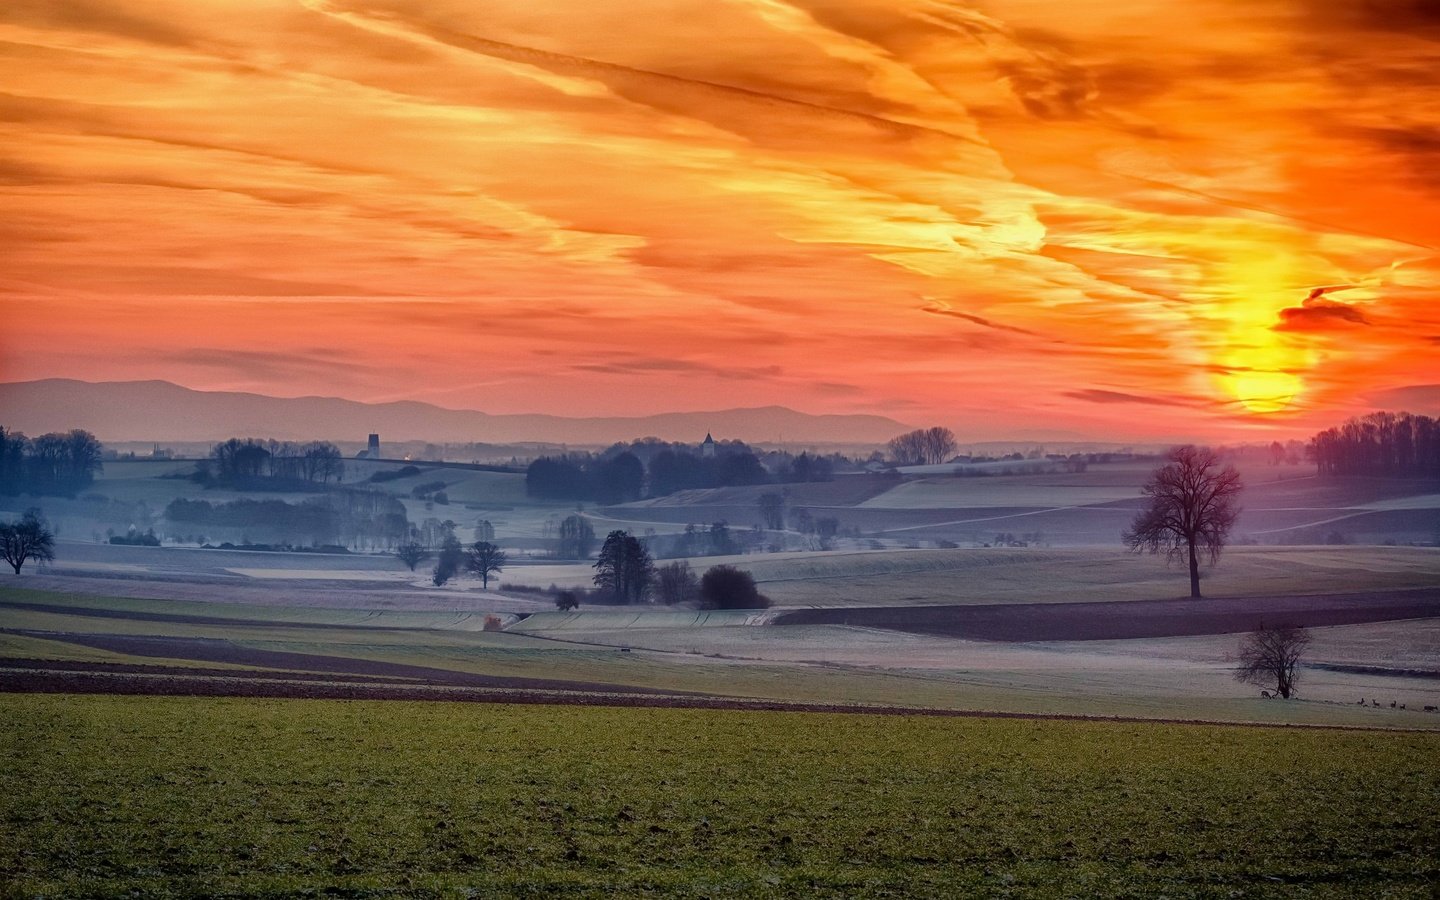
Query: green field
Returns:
{"type": "Point", "coordinates": [112, 797]}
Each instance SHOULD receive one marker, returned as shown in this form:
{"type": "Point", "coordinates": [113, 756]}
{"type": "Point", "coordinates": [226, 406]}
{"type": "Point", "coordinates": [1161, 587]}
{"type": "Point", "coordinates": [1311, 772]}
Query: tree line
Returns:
{"type": "Point", "coordinates": [1382, 443]}
{"type": "Point", "coordinates": [58, 463]}
{"type": "Point", "coordinates": [343, 517]}
{"type": "Point", "coordinates": [923, 447]}
{"type": "Point", "coordinates": [650, 468]}
{"type": "Point", "coordinates": [625, 573]}
{"type": "Point", "coordinates": [267, 464]}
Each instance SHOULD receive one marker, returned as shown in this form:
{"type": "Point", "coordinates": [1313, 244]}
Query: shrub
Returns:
{"type": "Point", "coordinates": [726, 587]}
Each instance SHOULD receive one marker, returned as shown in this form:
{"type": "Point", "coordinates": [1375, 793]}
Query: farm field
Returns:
{"type": "Point", "coordinates": [795, 578]}
{"type": "Point", "coordinates": [713, 654]}
{"type": "Point", "coordinates": [107, 796]}
{"type": "Point", "coordinates": [1039, 575]}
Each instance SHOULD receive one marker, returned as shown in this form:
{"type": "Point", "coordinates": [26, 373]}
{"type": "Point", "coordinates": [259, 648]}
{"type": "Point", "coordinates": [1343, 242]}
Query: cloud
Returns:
{"type": "Point", "coordinates": [941, 308]}
{"type": "Point", "coordinates": [1416, 398]}
{"type": "Point", "coordinates": [633, 365]}
{"type": "Point", "coordinates": [1316, 314]}
{"type": "Point", "coordinates": [1096, 395]}
{"type": "Point", "coordinates": [88, 15]}
{"type": "Point", "coordinates": [1417, 146]}
{"type": "Point", "coordinates": [273, 366]}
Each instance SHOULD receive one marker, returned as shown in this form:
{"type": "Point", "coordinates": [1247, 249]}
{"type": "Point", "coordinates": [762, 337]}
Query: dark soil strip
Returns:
{"type": "Point", "coordinates": [1385, 671]}
{"type": "Point", "coordinates": [1102, 621]}
{"type": "Point", "coordinates": [178, 618]}
{"type": "Point", "coordinates": [69, 665]}
{"type": "Point", "coordinates": [221, 651]}
{"type": "Point", "coordinates": [181, 684]}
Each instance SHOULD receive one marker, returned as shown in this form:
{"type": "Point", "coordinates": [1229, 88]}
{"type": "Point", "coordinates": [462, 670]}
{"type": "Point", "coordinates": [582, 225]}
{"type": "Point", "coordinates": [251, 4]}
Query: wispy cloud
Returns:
{"type": "Point", "coordinates": [683, 201]}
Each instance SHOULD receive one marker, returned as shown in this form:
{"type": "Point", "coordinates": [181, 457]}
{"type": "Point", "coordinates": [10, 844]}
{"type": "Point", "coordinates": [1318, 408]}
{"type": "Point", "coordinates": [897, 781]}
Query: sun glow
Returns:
{"type": "Point", "coordinates": [1070, 212]}
{"type": "Point", "coordinates": [1263, 392]}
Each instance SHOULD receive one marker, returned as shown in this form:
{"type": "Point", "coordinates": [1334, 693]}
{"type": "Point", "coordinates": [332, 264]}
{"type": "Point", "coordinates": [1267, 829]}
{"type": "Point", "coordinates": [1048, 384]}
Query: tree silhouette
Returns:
{"type": "Point", "coordinates": [485, 559]}
{"type": "Point", "coordinates": [1191, 510]}
{"type": "Point", "coordinates": [772, 510]}
{"type": "Point", "coordinates": [30, 538]}
{"type": "Point", "coordinates": [924, 446]}
{"type": "Point", "coordinates": [576, 538]}
{"type": "Point", "coordinates": [412, 554]}
{"type": "Point", "coordinates": [726, 587]}
{"type": "Point", "coordinates": [1271, 655]}
{"type": "Point", "coordinates": [624, 569]}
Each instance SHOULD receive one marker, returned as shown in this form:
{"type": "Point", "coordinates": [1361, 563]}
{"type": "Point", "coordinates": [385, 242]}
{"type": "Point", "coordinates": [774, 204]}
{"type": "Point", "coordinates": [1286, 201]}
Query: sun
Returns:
{"type": "Point", "coordinates": [1262, 391]}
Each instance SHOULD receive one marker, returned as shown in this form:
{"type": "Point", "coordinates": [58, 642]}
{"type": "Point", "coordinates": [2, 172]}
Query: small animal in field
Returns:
{"type": "Point", "coordinates": [1265, 694]}
{"type": "Point", "coordinates": [1429, 709]}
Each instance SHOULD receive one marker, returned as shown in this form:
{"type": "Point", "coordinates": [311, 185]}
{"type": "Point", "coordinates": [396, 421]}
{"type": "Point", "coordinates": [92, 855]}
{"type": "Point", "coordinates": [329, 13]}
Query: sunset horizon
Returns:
{"type": "Point", "coordinates": [999, 217]}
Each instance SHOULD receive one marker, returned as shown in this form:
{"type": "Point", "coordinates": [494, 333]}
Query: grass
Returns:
{"type": "Point", "coordinates": [111, 797]}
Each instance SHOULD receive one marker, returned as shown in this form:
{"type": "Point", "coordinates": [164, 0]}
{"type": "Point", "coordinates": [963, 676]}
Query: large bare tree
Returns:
{"type": "Point", "coordinates": [1193, 505]}
{"type": "Point", "coordinates": [1270, 656]}
{"type": "Point", "coordinates": [485, 559]}
{"type": "Point", "coordinates": [30, 538]}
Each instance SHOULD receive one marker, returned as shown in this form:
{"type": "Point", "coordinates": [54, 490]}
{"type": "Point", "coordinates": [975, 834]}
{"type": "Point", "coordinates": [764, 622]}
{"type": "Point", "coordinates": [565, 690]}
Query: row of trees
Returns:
{"type": "Point", "coordinates": [482, 559]}
{"type": "Point", "coordinates": [59, 463]}
{"type": "Point", "coordinates": [619, 476]}
{"type": "Point", "coordinates": [923, 447]}
{"type": "Point", "coordinates": [246, 462]}
{"type": "Point", "coordinates": [342, 517]}
{"type": "Point", "coordinates": [1381, 443]}
{"type": "Point", "coordinates": [625, 573]}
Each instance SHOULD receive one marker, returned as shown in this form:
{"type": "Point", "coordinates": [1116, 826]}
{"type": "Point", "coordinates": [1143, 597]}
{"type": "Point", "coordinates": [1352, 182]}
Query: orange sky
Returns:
{"type": "Point", "coordinates": [1089, 216]}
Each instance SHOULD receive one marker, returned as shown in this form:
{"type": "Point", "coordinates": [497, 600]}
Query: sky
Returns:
{"type": "Point", "coordinates": [1129, 219]}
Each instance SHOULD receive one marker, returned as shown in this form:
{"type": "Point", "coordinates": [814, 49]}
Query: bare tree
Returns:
{"type": "Point", "coordinates": [924, 446]}
{"type": "Point", "coordinates": [1270, 656]}
{"type": "Point", "coordinates": [576, 538]}
{"type": "Point", "coordinates": [676, 583]}
{"type": "Point", "coordinates": [772, 510]}
{"type": "Point", "coordinates": [30, 538]}
{"type": "Point", "coordinates": [1193, 505]}
{"type": "Point", "coordinates": [485, 559]}
{"type": "Point", "coordinates": [412, 554]}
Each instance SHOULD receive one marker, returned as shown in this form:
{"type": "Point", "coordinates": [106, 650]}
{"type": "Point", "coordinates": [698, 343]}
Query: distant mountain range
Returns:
{"type": "Point", "coordinates": [160, 411]}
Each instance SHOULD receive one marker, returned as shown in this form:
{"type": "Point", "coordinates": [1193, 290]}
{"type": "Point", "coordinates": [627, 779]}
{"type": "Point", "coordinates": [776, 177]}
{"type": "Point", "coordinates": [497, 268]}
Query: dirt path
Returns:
{"type": "Point", "coordinates": [1101, 621]}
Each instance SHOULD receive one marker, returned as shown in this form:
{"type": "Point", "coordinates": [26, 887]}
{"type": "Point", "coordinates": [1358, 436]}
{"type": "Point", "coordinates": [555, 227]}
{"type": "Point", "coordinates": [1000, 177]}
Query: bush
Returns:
{"type": "Point", "coordinates": [726, 587]}
{"type": "Point", "coordinates": [136, 539]}
{"type": "Point", "coordinates": [393, 474]}
{"type": "Point", "coordinates": [566, 600]}
{"type": "Point", "coordinates": [492, 623]}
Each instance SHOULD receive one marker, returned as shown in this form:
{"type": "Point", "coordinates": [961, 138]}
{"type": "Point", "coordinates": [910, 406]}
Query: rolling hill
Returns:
{"type": "Point", "coordinates": [162, 411]}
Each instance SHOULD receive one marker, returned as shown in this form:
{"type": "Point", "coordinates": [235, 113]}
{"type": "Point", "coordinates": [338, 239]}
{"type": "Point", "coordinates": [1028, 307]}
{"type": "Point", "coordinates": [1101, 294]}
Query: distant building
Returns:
{"type": "Point", "coordinates": [707, 447]}
{"type": "Point", "coordinates": [372, 449]}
